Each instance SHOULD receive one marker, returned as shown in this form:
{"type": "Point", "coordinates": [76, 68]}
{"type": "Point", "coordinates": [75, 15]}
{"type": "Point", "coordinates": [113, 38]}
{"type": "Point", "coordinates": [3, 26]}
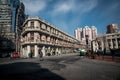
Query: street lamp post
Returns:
{"type": "Point", "coordinates": [87, 42]}
{"type": "Point", "coordinates": [92, 53]}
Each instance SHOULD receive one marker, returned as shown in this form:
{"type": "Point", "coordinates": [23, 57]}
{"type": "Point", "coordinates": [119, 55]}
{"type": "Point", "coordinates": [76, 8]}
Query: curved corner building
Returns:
{"type": "Point", "coordinates": [39, 34]}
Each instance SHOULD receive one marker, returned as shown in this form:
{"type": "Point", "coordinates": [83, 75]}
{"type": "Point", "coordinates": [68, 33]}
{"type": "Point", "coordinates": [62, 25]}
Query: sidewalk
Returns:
{"type": "Point", "coordinates": [108, 58]}
{"type": "Point", "coordinates": [2, 60]}
{"type": "Point", "coordinates": [70, 54]}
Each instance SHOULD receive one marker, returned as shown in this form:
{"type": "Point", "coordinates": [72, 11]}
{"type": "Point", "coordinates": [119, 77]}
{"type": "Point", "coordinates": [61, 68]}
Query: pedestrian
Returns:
{"type": "Point", "coordinates": [112, 53]}
{"type": "Point", "coordinates": [104, 50]}
{"type": "Point", "coordinates": [40, 54]}
{"type": "Point", "coordinates": [29, 54]}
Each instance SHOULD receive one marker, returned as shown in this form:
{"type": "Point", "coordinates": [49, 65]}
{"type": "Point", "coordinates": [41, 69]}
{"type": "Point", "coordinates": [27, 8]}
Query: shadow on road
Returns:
{"type": "Point", "coordinates": [26, 71]}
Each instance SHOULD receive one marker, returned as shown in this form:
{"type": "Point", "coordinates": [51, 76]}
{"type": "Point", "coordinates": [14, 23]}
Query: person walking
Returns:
{"type": "Point", "coordinates": [112, 51]}
{"type": "Point", "coordinates": [40, 54]}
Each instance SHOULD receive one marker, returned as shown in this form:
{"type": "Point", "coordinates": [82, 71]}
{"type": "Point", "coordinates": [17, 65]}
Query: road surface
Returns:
{"type": "Point", "coordinates": [65, 67]}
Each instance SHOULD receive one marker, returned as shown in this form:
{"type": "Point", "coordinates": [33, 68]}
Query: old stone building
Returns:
{"type": "Point", "coordinates": [39, 34]}
{"type": "Point", "coordinates": [107, 42]}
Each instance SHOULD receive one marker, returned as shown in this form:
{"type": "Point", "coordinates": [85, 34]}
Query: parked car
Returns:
{"type": "Point", "coordinates": [15, 55]}
{"type": "Point", "coordinates": [4, 55]}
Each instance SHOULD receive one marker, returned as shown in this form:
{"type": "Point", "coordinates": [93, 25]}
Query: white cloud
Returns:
{"type": "Point", "coordinates": [64, 6]}
{"type": "Point", "coordinates": [88, 5]}
{"type": "Point", "coordinates": [33, 7]}
{"type": "Point", "coordinates": [74, 6]}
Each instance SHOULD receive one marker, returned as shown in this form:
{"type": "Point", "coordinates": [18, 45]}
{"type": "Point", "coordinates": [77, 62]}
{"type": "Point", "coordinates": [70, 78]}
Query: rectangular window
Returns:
{"type": "Point", "coordinates": [51, 30]}
{"type": "Point", "coordinates": [48, 39]}
{"type": "Point", "coordinates": [32, 36]}
{"type": "Point", "coordinates": [32, 24]}
{"type": "Point", "coordinates": [43, 37]}
{"type": "Point", "coordinates": [43, 26]}
{"type": "Point", "coordinates": [48, 28]}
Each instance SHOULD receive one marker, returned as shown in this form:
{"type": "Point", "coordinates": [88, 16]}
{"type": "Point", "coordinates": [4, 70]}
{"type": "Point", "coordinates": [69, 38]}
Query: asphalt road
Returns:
{"type": "Point", "coordinates": [65, 67]}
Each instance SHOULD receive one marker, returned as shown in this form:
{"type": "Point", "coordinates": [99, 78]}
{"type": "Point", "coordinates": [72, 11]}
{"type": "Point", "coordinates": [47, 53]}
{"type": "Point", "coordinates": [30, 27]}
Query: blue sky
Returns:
{"type": "Point", "coordinates": [68, 15]}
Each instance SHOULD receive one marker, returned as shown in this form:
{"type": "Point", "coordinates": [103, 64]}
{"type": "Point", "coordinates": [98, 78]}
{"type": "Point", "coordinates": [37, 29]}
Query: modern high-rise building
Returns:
{"type": "Point", "coordinates": [78, 34]}
{"type": "Point", "coordinates": [94, 32]}
{"type": "Point", "coordinates": [112, 28]}
{"type": "Point", "coordinates": [87, 32]}
{"type": "Point", "coordinates": [12, 17]}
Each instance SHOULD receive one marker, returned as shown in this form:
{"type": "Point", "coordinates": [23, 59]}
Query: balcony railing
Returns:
{"type": "Point", "coordinates": [28, 29]}
{"type": "Point", "coordinates": [46, 43]}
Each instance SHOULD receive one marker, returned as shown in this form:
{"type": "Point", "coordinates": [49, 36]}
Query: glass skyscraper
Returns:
{"type": "Point", "coordinates": [12, 17]}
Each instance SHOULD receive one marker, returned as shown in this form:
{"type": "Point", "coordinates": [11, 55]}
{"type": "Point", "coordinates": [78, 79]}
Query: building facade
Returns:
{"type": "Point", "coordinates": [112, 37]}
{"type": "Point", "coordinates": [107, 42]}
{"type": "Point", "coordinates": [112, 28]}
{"type": "Point", "coordinates": [39, 34]}
{"type": "Point", "coordinates": [11, 18]}
{"type": "Point", "coordinates": [78, 34]}
{"type": "Point", "coordinates": [81, 33]}
{"type": "Point", "coordinates": [86, 35]}
{"type": "Point", "coordinates": [113, 40]}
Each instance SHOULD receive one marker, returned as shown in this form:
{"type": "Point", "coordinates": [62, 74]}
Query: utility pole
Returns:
{"type": "Point", "coordinates": [87, 41]}
{"type": "Point", "coordinates": [92, 53]}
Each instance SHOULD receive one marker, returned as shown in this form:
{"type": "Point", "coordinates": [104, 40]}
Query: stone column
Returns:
{"type": "Point", "coordinates": [63, 50]}
{"type": "Point", "coordinates": [49, 49]}
{"type": "Point", "coordinates": [36, 51]}
{"type": "Point", "coordinates": [28, 50]}
{"type": "Point", "coordinates": [43, 50]}
{"type": "Point", "coordinates": [59, 51]}
{"type": "Point", "coordinates": [56, 51]}
{"type": "Point", "coordinates": [111, 43]}
{"type": "Point", "coordinates": [23, 52]}
{"type": "Point", "coordinates": [102, 44]}
{"type": "Point", "coordinates": [116, 43]}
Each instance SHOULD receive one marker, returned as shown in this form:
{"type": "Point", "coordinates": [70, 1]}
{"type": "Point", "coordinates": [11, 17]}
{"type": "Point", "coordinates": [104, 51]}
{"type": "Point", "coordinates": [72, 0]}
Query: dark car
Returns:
{"type": "Point", "coordinates": [15, 55]}
{"type": "Point", "coordinates": [4, 55]}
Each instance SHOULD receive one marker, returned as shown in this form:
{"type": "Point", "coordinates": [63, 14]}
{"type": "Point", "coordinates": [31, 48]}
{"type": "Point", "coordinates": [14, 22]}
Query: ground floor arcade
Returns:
{"type": "Point", "coordinates": [47, 50]}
